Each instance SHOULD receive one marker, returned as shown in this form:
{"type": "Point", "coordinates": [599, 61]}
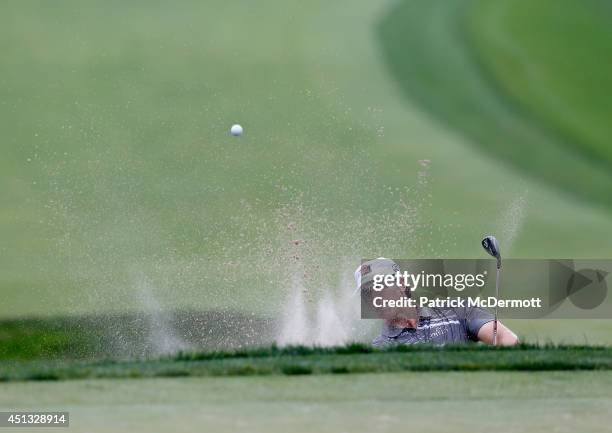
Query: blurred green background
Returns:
{"type": "Point", "coordinates": [404, 129]}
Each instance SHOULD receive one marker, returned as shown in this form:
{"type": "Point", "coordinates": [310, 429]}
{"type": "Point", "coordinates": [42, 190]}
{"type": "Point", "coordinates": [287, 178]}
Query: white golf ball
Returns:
{"type": "Point", "coordinates": [236, 130]}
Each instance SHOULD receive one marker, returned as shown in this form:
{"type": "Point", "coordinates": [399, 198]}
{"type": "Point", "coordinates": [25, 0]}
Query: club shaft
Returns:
{"type": "Point", "coordinates": [495, 314]}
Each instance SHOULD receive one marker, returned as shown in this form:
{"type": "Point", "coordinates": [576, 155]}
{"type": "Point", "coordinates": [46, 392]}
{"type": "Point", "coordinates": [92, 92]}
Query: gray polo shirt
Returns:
{"type": "Point", "coordinates": [438, 327]}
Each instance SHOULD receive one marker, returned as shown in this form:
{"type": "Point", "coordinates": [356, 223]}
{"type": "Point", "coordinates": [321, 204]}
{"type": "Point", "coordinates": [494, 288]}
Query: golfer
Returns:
{"type": "Point", "coordinates": [438, 326]}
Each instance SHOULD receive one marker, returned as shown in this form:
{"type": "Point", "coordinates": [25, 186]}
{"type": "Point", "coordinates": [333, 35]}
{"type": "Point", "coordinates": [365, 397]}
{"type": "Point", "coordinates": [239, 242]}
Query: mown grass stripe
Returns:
{"type": "Point", "coordinates": [339, 360]}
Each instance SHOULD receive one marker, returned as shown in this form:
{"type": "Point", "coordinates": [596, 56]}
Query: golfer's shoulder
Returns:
{"type": "Point", "coordinates": [469, 313]}
{"type": "Point", "coordinates": [457, 316]}
{"type": "Point", "coordinates": [447, 314]}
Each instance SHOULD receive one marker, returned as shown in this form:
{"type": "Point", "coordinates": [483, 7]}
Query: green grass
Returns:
{"type": "Point", "coordinates": [121, 337]}
{"type": "Point", "coordinates": [529, 402]}
{"type": "Point", "coordinates": [552, 59]}
{"type": "Point", "coordinates": [122, 189]}
{"type": "Point", "coordinates": [126, 336]}
{"type": "Point", "coordinates": [305, 361]}
{"type": "Point", "coordinates": [436, 52]}
{"type": "Point", "coordinates": [40, 339]}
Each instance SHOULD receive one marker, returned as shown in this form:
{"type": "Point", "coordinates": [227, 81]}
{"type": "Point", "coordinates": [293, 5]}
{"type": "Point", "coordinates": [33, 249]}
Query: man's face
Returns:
{"type": "Point", "coordinates": [396, 292]}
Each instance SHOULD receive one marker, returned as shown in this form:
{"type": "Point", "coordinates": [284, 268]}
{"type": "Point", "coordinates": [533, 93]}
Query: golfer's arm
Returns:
{"type": "Point", "coordinates": [505, 337]}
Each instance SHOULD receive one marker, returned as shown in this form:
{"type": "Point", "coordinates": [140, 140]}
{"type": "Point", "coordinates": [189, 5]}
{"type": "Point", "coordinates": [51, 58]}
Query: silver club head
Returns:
{"type": "Point", "coordinates": [491, 246]}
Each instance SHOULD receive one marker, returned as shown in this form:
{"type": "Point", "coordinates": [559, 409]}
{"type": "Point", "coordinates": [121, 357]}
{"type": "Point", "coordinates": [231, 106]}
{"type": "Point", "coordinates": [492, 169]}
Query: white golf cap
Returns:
{"type": "Point", "coordinates": [364, 274]}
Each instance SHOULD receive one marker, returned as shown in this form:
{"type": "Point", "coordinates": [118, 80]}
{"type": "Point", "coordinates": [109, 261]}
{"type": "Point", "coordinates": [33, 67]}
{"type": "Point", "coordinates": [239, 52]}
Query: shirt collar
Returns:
{"type": "Point", "coordinates": [392, 331]}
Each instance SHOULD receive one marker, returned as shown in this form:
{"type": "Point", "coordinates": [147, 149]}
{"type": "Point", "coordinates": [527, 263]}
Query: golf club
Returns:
{"type": "Point", "coordinates": [490, 244]}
